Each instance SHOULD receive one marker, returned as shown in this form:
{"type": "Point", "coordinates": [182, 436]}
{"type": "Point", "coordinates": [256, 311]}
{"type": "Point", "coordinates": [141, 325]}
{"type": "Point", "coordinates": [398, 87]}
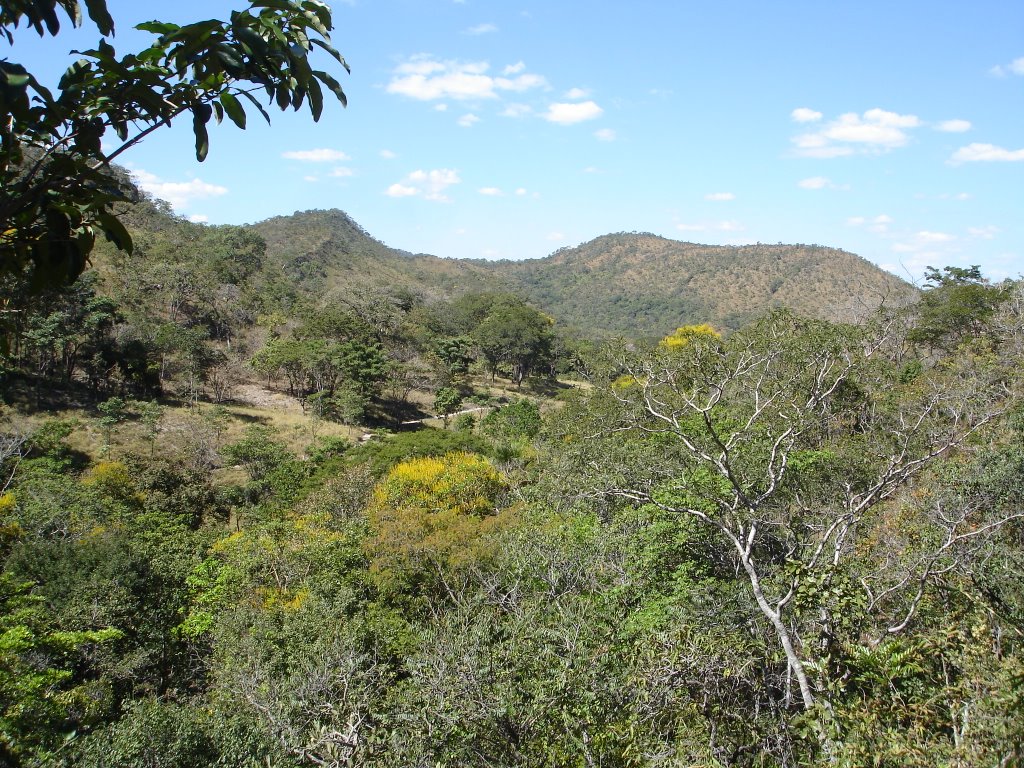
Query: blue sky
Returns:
{"type": "Point", "coordinates": [508, 129]}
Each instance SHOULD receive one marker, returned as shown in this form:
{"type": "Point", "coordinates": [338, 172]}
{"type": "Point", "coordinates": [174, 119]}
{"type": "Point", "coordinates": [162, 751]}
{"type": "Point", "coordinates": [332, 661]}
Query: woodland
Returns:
{"type": "Point", "coordinates": [254, 515]}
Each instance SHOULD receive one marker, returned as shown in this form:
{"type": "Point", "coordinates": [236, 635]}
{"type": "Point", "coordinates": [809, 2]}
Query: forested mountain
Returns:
{"type": "Point", "coordinates": [628, 284]}
{"type": "Point", "coordinates": [641, 284]}
{"type": "Point", "coordinates": [326, 250]}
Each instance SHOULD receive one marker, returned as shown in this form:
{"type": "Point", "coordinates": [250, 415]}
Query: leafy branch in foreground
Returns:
{"type": "Point", "coordinates": [58, 192]}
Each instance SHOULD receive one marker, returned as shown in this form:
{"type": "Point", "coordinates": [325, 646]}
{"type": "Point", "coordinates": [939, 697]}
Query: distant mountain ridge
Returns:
{"type": "Point", "coordinates": [633, 284]}
{"type": "Point", "coordinates": [644, 284]}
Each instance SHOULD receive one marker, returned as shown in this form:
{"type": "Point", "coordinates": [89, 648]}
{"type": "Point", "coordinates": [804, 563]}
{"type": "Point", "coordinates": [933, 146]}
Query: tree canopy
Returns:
{"type": "Point", "coordinates": [59, 191]}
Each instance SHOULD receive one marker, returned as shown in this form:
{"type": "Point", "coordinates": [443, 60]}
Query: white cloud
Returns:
{"type": "Point", "coordinates": [401, 190]}
{"type": "Point", "coordinates": [199, 218]}
{"type": "Point", "coordinates": [1015, 67]}
{"type": "Point", "coordinates": [954, 126]}
{"type": "Point", "coordinates": [440, 107]}
{"type": "Point", "coordinates": [521, 191]}
{"type": "Point", "coordinates": [516, 110]}
{"type": "Point", "coordinates": [877, 130]}
{"type": "Point", "coordinates": [567, 114]}
{"type": "Point", "coordinates": [815, 182]}
{"type": "Point", "coordinates": [877, 224]}
{"type": "Point", "coordinates": [715, 226]}
{"type": "Point", "coordinates": [342, 173]}
{"type": "Point", "coordinates": [490, 191]}
{"type": "Point", "coordinates": [387, 154]}
{"type": "Point", "coordinates": [986, 153]}
{"type": "Point", "coordinates": [605, 134]}
{"type": "Point", "coordinates": [178, 193]}
{"type": "Point", "coordinates": [805, 115]}
{"type": "Point", "coordinates": [426, 79]}
{"type": "Point", "coordinates": [983, 233]}
{"type": "Point", "coordinates": [934, 237]}
{"type": "Point", "coordinates": [468, 120]}
{"type": "Point", "coordinates": [482, 29]}
{"type": "Point", "coordinates": [430, 185]}
{"type": "Point", "coordinates": [514, 69]}
{"type": "Point", "coordinates": [577, 93]}
{"type": "Point", "coordinates": [720, 197]}
{"type": "Point", "coordinates": [311, 179]}
{"type": "Point", "coordinates": [316, 155]}
{"type": "Point", "coordinates": [556, 237]}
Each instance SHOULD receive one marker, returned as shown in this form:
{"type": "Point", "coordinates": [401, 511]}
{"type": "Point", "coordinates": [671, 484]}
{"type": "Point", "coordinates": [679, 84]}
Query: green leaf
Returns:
{"type": "Point", "coordinates": [333, 84]}
{"type": "Point", "coordinates": [256, 104]}
{"type": "Point", "coordinates": [115, 232]}
{"type": "Point", "coordinates": [316, 99]}
{"type": "Point", "coordinates": [158, 27]}
{"type": "Point", "coordinates": [233, 108]}
{"type": "Point", "coordinates": [200, 116]}
{"type": "Point", "coordinates": [100, 16]}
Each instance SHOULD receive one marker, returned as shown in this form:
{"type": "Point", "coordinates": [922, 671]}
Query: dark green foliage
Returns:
{"type": "Point", "coordinates": [58, 190]}
{"type": "Point", "coordinates": [955, 307]}
{"type": "Point", "coordinates": [384, 452]}
{"type": "Point", "coordinates": [518, 420]}
{"type": "Point", "coordinates": [569, 590]}
{"type": "Point", "coordinates": [259, 452]}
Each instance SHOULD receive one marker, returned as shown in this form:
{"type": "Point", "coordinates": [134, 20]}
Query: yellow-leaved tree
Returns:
{"type": "Point", "coordinates": [430, 519]}
{"type": "Point", "coordinates": [690, 334]}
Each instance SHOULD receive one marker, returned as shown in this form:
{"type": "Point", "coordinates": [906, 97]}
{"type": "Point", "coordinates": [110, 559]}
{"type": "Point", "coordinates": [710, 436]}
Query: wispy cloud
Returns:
{"type": "Point", "coordinates": [1015, 67]}
{"type": "Point", "coordinates": [983, 233]}
{"type": "Point", "coordinates": [430, 185]}
{"type": "Point", "coordinates": [387, 154]}
{"type": "Point", "coordinates": [720, 197]}
{"type": "Point", "coordinates": [516, 110]}
{"type": "Point", "coordinates": [815, 182]}
{"type": "Point", "coordinates": [875, 131]}
{"type": "Point", "coordinates": [715, 226]}
{"type": "Point", "coordinates": [877, 224]}
{"type": "Point", "coordinates": [577, 93]}
{"type": "Point", "coordinates": [427, 79]}
{"type": "Point", "coordinates": [954, 126]}
{"type": "Point", "coordinates": [986, 153]}
{"type": "Point", "coordinates": [605, 134]}
{"type": "Point", "coordinates": [316, 155]}
{"type": "Point", "coordinates": [468, 120]}
{"type": "Point", "coordinates": [820, 182]}
{"type": "Point", "coordinates": [179, 194]}
{"type": "Point", "coordinates": [481, 29]}
{"type": "Point", "coordinates": [490, 191]}
{"type": "Point", "coordinates": [926, 236]}
{"type": "Point", "coordinates": [565, 113]}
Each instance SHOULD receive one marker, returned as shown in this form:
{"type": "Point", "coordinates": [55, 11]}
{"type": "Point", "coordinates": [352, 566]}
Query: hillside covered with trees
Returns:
{"type": "Point", "coordinates": [622, 284]}
{"type": "Point", "coordinates": [277, 495]}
